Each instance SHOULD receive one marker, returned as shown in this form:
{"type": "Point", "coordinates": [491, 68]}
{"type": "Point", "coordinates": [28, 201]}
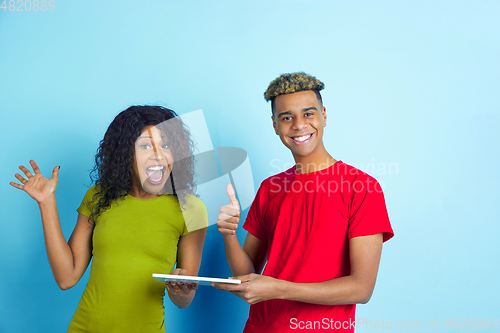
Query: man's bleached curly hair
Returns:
{"type": "Point", "coordinates": [290, 83]}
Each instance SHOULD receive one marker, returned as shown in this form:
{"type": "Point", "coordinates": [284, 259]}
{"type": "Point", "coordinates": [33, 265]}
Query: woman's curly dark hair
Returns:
{"type": "Point", "coordinates": [112, 173]}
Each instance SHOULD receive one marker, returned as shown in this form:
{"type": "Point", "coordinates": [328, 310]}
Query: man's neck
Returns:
{"type": "Point", "coordinates": [314, 162]}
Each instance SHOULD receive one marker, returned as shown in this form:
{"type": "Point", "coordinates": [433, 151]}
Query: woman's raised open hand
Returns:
{"type": "Point", "coordinates": [37, 186]}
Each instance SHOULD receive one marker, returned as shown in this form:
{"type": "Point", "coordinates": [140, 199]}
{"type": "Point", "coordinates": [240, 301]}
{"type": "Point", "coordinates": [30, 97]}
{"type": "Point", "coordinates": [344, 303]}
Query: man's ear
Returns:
{"type": "Point", "coordinates": [323, 116]}
{"type": "Point", "coordinates": [274, 125]}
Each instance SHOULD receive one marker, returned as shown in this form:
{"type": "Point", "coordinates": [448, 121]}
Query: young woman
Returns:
{"type": "Point", "coordinates": [141, 217]}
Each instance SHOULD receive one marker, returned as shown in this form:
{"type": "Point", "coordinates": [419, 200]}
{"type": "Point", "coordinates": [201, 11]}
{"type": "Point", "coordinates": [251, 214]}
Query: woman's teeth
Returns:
{"type": "Point", "coordinates": [155, 173]}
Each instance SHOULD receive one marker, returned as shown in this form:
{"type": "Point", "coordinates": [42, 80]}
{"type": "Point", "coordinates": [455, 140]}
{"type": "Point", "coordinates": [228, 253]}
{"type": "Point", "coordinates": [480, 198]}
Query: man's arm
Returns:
{"type": "Point", "coordinates": [242, 261]}
{"type": "Point", "coordinates": [355, 288]}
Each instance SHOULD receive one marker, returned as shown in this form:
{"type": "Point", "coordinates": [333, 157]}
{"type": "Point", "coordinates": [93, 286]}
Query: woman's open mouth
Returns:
{"type": "Point", "coordinates": [156, 173]}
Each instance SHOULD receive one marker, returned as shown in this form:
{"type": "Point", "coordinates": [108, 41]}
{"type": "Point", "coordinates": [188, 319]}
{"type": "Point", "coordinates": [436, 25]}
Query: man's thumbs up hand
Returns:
{"type": "Point", "coordinates": [229, 215]}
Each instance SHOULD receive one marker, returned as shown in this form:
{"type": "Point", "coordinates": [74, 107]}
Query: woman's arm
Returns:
{"type": "Point", "coordinates": [190, 250]}
{"type": "Point", "coordinates": [68, 260]}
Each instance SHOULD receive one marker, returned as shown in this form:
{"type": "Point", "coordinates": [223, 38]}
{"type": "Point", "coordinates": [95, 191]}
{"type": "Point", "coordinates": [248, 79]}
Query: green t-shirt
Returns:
{"type": "Point", "coordinates": [131, 240]}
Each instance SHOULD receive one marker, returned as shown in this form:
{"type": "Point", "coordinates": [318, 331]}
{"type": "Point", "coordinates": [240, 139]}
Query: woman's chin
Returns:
{"type": "Point", "coordinates": [154, 187]}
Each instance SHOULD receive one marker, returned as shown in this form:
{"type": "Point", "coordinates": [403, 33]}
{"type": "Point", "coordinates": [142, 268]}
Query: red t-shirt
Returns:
{"type": "Point", "coordinates": [307, 221]}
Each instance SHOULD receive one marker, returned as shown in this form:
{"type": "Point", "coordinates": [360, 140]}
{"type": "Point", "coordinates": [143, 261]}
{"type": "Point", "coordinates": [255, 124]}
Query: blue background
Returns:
{"type": "Point", "coordinates": [412, 97]}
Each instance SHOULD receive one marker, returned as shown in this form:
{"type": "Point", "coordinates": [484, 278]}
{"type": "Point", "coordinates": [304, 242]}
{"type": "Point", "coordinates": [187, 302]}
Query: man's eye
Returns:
{"type": "Point", "coordinates": [308, 114]}
{"type": "Point", "coordinates": [286, 118]}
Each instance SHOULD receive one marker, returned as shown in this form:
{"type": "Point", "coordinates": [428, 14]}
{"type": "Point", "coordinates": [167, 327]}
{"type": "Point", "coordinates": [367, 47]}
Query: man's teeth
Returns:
{"type": "Point", "coordinates": [302, 138]}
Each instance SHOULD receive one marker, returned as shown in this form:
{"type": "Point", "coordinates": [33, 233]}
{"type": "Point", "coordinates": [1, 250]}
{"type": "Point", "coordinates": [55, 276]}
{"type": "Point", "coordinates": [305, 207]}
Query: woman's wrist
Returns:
{"type": "Point", "coordinates": [47, 201]}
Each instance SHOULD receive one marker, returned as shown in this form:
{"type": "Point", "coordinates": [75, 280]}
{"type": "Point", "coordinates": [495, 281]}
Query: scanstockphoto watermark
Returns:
{"type": "Point", "coordinates": [318, 183]}
{"type": "Point", "coordinates": [361, 324]}
{"type": "Point", "coordinates": [373, 168]}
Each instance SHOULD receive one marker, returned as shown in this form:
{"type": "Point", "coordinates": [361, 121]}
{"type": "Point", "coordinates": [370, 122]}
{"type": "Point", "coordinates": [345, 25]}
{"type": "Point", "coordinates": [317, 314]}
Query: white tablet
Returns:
{"type": "Point", "coordinates": [202, 281]}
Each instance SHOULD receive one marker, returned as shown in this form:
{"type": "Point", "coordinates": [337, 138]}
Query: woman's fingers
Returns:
{"type": "Point", "coordinates": [174, 287]}
{"type": "Point", "coordinates": [16, 185]}
{"type": "Point", "coordinates": [180, 286]}
{"type": "Point", "coordinates": [35, 167]}
{"type": "Point", "coordinates": [25, 171]}
{"type": "Point", "coordinates": [185, 288]}
{"type": "Point", "coordinates": [36, 170]}
{"type": "Point", "coordinates": [36, 185]}
{"type": "Point", "coordinates": [55, 172]}
{"type": "Point", "coordinates": [20, 178]}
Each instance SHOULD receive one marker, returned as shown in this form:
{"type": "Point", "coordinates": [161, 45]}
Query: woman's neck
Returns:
{"type": "Point", "coordinates": [138, 192]}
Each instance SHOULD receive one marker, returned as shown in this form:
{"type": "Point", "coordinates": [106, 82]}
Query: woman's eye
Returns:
{"type": "Point", "coordinates": [145, 146]}
{"type": "Point", "coordinates": [164, 146]}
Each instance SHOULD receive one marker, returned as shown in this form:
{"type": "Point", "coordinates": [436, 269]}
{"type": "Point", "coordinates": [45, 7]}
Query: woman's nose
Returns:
{"type": "Point", "coordinates": [158, 155]}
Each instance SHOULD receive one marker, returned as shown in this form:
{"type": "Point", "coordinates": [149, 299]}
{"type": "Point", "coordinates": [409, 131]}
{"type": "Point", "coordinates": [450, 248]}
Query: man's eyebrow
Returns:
{"type": "Point", "coordinates": [283, 113]}
{"type": "Point", "coordinates": [303, 110]}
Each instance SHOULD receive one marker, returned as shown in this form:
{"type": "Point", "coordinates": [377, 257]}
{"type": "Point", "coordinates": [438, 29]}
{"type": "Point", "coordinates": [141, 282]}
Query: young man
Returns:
{"type": "Point", "coordinates": [319, 225]}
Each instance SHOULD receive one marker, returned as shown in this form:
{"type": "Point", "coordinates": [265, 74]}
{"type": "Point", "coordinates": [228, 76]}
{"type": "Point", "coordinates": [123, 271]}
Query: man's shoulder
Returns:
{"type": "Point", "coordinates": [353, 173]}
{"type": "Point", "coordinates": [279, 177]}
{"type": "Point", "coordinates": [345, 171]}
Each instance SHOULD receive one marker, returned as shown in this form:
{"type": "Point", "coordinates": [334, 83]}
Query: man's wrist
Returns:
{"type": "Point", "coordinates": [229, 239]}
{"type": "Point", "coordinates": [283, 289]}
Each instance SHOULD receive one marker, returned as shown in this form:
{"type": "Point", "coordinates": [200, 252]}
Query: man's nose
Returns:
{"type": "Point", "coordinates": [299, 123]}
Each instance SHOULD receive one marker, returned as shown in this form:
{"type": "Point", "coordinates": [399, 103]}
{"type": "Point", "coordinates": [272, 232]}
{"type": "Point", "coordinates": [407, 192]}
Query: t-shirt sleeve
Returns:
{"type": "Point", "coordinates": [87, 205]}
{"type": "Point", "coordinates": [368, 213]}
{"type": "Point", "coordinates": [254, 223]}
{"type": "Point", "coordinates": [195, 214]}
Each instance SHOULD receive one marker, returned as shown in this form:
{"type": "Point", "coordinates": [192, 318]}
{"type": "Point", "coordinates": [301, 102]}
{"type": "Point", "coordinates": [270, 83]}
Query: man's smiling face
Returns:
{"type": "Point", "coordinates": [299, 119]}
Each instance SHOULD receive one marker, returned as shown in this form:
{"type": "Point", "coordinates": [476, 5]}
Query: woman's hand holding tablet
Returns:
{"type": "Point", "coordinates": [203, 281]}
